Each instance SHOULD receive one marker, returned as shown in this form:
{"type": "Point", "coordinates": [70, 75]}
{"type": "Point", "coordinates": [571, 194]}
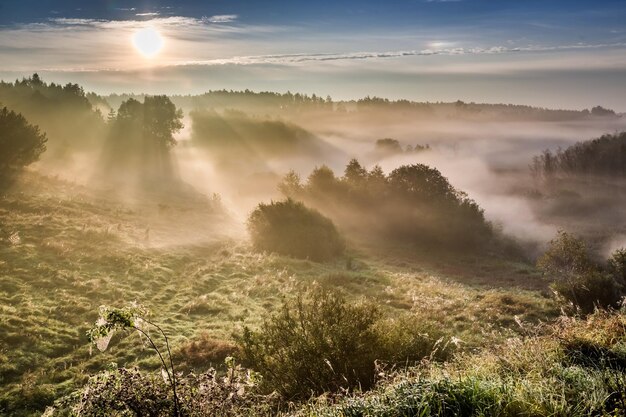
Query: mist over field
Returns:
{"type": "Point", "coordinates": [296, 210]}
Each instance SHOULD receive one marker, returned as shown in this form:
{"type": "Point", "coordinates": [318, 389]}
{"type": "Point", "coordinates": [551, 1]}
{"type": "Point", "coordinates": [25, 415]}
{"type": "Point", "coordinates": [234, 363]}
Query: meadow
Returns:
{"type": "Point", "coordinates": [65, 251]}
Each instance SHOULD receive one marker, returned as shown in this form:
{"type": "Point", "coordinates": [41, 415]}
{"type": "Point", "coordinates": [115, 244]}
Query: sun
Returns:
{"type": "Point", "coordinates": [148, 42]}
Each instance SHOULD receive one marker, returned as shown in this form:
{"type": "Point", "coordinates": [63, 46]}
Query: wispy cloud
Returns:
{"type": "Point", "coordinates": [299, 58]}
{"type": "Point", "coordinates": [221, 18]}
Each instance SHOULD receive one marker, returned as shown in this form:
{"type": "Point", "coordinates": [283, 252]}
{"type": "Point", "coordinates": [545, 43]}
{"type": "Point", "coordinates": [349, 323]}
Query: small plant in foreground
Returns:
{"type": "Point", "coordinates": [112, 320]}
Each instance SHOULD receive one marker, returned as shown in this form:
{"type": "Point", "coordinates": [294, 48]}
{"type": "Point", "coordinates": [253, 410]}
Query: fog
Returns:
{"type": "Point", "coordinates": [232, 149]}
{"type": "Point", "coordinates": [489, 160]}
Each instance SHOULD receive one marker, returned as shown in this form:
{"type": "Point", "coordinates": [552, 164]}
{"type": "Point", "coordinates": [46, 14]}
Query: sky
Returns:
{"type": "Point", "coordinates": [549, 53]}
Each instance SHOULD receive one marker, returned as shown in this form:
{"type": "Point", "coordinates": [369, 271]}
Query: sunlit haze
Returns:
{"type": "Point", "coordinates": [331, 208]}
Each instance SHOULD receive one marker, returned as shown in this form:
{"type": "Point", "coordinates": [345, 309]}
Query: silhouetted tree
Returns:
{"type": "Point", "coordinates": [602, 112]}
{"type": "Point", "coordinates": [355, 174]}
{"type": "Point", "coordinates": [604, 156]}
{"type": "Point", "coordinates": [21, 143]}
{"type": "Point", "coordinates": [388, 146]}
{"type": "Point", "coordinates": [140, 138]}
{"type": "Point", "coordinates": [414, 203]}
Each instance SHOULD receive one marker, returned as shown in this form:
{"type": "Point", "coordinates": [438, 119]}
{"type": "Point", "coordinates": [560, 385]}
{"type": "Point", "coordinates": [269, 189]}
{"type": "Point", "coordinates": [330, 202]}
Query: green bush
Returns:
{"type": "Point", "coordinates": [617, 265]}
{"type": "Point", "coordinates": [590, 290]}
{"type": "Point", "coordinates": [576, 278]}
{"type": "Point", "coordinates": [322, 343]}
{"type": "Point", "coordinates": [290, 228]}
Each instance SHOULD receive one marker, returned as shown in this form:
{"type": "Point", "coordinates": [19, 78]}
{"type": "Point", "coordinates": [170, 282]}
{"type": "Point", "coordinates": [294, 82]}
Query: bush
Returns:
{"type": "Point", "coordinates": [617, 265]}
{"type": "Point", "coordinates": [321, 343]}
{"type": "Point", "coordinates": [576, 278]}
{"type": "Point", "coordinates": [567, 256]}
{"type": "Point", "coordinates": [129, 392]}
{"type": "Point", "coordinates": [290, 228]}
{"type": "Point", "coordinates": [593, 289]}
{"type": "Point", "coordinates": [21, 143]}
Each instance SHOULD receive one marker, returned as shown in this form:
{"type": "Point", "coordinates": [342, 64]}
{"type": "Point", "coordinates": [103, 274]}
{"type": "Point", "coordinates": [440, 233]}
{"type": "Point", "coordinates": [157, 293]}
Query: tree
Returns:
{"type": "Point", "coordinates": [322, 180]}
{"type": "Point", "coordinates": [355, 174]}
{"type": "Point", "coordinates": [21, 143]}
{"type": "Point", "coordinates": [290, 186]}
{"type": "Point", "coordinates": [140, 138]}
{"type": "Point", "coordinates": [161, 120]}
{"type": "Point", "coordinates": [388, 146]}
{"type": "Point", "coordinates": [157, 116]}
{"type": "Point", "coordinates": [421, 183]}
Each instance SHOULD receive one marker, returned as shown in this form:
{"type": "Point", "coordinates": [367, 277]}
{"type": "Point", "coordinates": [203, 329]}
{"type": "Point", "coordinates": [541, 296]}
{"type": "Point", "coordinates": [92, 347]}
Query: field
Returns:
{"type": "Point", "coordinates": [65, 251]}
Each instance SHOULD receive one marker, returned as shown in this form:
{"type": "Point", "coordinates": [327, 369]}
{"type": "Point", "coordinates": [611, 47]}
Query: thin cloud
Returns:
{"type": "Point", "coordinates": [299, 58]}
{"type": "Point", "coordinates": [221, 18]}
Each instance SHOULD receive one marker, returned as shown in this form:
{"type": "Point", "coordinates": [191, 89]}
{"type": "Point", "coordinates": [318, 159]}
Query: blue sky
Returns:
{"type": "Point", "coordinates": [569, 54]}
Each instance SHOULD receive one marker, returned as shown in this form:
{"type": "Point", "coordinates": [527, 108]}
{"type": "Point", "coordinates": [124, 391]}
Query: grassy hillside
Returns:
{"type": "Point", "coordinates": [574, 367]}
{"type": "Point", "coordinates": [64, 251]}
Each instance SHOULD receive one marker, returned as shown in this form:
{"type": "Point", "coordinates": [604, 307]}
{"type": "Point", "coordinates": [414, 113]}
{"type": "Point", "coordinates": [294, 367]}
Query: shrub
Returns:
{"type": "Point", "coordinates": [567, 256]}
{"type": "Point", "coordinates": [617, 265]}
{"type": "Point", "coordinates": [576, 278]}
{"type": "Point", "coordinates": [130, 392]}
{"type": "Point", "coordinates": [314, 345]}
{"type": "Point", "coordinates": [290, 228]}
{"type": "Point", "coordinates": [322, 343]}
{"type": "Point", "coordinates": [590, 290]}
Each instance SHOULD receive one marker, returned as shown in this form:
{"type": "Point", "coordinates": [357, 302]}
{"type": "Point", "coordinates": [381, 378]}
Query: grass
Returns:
{"type": "Point", "coordinates": [572, 368]}
{"type": "Point", "coordinates": [78, 250]}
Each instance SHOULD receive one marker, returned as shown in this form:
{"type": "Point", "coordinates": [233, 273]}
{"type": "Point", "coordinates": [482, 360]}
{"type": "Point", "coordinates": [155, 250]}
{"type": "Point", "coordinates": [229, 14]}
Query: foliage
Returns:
{"type": "Point", "coordinates": [322, 343]}
{"type": "Point", "coordinates": [617, 265]}
{"type": "Point", "coordinates": [157, 118]}
{"type": "Point", "coordinates": [129, 392]}
{"type": "Point", "coordinates": [590, 290]}
{"type": "Point", "coordinates": [567, 256]}
{"type": "Point", "coordinates": [63, 111]}
{"type": "Point", "coordinates": [388, 146]}
{"type": "Point", "coordinates": [414, 203]}
{"type": "Point", "coordinates": [571, 368]}
{"type": "Point", "coordinates": [604, 156]}
{"type": "Point", "coordinates": [139, 140]}
{"type": "Point", "coordinates": [112, 320]}
{"type": "Point", "coordinates": [290, 228]}
{"type": "Point", "coordinates": [21, 143]}
{"type": "Point", "coordinates": [576, 278]}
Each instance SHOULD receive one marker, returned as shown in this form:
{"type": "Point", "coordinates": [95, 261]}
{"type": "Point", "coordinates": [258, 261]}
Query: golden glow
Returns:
{"type": "Point", "coordinates": [148, 42]}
